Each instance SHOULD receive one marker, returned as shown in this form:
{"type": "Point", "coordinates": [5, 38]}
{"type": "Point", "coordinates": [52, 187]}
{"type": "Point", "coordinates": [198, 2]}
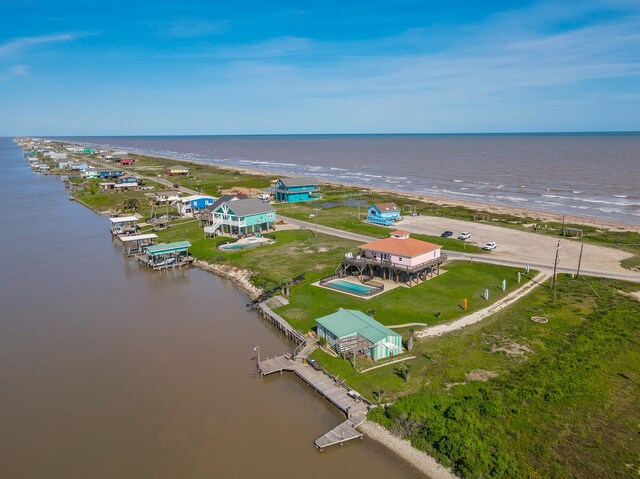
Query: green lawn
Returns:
{"type": "Point", "coordinates": [294, 252]}
{"type": "Point", "coordinates": [564, 402]}
{"type": "Point", "coordinates": [346, 218]}
{"type": "Point", "coordinates": [435, 301]}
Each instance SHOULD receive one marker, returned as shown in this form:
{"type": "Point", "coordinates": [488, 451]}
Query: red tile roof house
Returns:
{"type": "Point", "coordinates": [398, 258]}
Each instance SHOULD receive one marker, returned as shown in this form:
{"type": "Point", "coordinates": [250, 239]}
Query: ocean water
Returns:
{"type": "Point", "coordinates": [593, 175]}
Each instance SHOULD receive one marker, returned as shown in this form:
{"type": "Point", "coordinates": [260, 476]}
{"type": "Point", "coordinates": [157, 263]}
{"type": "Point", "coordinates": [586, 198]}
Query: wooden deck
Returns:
{"type": "Point", "coordinates": [342, 433]}
{"type": "Point", "coordinates": [355, 409]}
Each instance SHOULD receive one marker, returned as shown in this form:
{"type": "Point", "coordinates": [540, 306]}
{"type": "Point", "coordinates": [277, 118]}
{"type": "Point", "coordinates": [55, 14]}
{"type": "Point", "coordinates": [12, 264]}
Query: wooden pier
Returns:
{"type": "Point", "coordinates": [267, 314]}
{"type": "Point", "coordinates": [349, 402]}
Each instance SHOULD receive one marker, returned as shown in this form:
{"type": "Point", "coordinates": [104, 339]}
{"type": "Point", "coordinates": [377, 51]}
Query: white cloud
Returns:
{"type": "Point", "coordinates": [16, 71]}
{"type": "Point", "coordinates": [19, 45]}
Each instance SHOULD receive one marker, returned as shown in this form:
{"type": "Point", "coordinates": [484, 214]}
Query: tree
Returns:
{"type": "Point", "coordinates": [131, 204]}
{"type": "Point", "coordinates": [410, 340]}
{"type": "Point", "coordinates": [403, 371]}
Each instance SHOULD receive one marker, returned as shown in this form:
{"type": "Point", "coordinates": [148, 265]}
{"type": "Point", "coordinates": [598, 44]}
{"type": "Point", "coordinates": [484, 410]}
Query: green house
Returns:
{"type": "Point", "coordinates": [351, 332]}
{"type": "Point", "coordinates": [243, 216]}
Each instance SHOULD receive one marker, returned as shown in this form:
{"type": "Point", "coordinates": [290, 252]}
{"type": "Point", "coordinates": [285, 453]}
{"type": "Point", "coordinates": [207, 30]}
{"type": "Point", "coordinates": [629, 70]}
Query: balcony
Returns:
{"type": "Point", "coordinates": [361, 261]}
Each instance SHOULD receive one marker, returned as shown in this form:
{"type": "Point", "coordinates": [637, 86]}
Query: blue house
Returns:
{"type": "Point", "coordinates": [111, 175]}
{"type": "Point", "coordinates": [385, 214]}
{"type": "Point", "coordinates": [190, 204]}
{"type": "Point", "coordinates": [242, 217]}
{"type": "Point", "coordinates": [78, 166]}
{"type": "Point", "coordinates": [292, 190]}
{"type": "Point", "coordinates": [130, 180]}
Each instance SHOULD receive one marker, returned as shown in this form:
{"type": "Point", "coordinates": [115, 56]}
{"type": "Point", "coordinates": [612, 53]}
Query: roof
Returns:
{"type": "Point", "coordinates": [348, 321]}
{"type": "Point", "coordinates": [407, 247]}
{"type": "Point", "coordinates": [225, 198]}
{"type": "Point", "coordinates": [186, 199]}
{"type": "Point", "coordinates": [123, 219]}
{"type": "Point", "coordinates": [126, 239]}
{"type": "Point", "coordinates": [176, 247]}
{"type": "Point", "coordinates": [299, 181]}
{"type": "Point", "coordinates": [249, 207]}
{"type": "Point", "coordinates": [386, 206]}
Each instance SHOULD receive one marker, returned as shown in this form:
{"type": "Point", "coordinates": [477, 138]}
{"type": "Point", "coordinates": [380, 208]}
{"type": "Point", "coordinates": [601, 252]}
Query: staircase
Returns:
{"type": "Point", "coordinates": [305, 349]}
{"type": "Point", "coordinates": [211, 230]}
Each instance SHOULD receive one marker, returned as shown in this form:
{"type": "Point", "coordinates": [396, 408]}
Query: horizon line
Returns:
{"type": "Point", "coordinates": [497, 133]}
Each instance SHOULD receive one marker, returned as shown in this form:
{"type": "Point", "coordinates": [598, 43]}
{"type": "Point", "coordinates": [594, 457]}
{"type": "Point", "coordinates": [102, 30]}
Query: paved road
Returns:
{"type": "Point", "coordinates": [480, 258]}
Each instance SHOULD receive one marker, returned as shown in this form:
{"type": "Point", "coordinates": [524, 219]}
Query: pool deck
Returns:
{"type": "Point", "coordinates": [388, 286]}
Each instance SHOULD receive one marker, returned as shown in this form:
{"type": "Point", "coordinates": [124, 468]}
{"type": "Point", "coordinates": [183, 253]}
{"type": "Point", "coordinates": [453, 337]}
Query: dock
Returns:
{"type": "Point", "coordinates": [352, 404]}
{"type": "Point", "coordinates": [267, 314]}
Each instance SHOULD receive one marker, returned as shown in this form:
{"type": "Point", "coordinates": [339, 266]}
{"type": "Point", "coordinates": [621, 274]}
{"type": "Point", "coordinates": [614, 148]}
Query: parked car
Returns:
{"type": "Point", "coordinates": [415, 213]}
{"type": "Point", "coordinates": [176, 185]}
{"type": "Point", "coordinates": [446, 234]}
{"type": "Point", "coordinates": [464, 235]}
{"type": "Point", "coordinates": [490, 246]}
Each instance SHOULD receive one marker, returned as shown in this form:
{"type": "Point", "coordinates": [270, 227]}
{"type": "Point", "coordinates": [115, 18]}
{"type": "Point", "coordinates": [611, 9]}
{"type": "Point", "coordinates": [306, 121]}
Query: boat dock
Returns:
{"type": "Point", "coordinates": [266, 313]}
{"type": "Point", "coordinates": [349, 402]}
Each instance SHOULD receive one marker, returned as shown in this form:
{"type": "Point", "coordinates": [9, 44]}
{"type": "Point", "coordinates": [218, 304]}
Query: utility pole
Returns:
{"type": "Point", "coordinates": [317, 210]}
{"type": "Point", "coordinates": [555, 268]}
{"type": "Point", "coordinates": [580, 259]}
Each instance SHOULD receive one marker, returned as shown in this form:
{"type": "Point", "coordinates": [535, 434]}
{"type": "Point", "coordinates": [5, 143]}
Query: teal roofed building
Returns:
{"type": "Point", "coordinates": [294, 190]}
{"type": "Point", "coordinates": [350, 332]}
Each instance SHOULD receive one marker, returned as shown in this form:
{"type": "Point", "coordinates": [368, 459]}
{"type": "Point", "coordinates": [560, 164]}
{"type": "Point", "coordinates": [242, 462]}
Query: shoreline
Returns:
{"type": "Point", "coordinates": [403, 448]}
{"type": "Point", "coordinates": [541, 216]}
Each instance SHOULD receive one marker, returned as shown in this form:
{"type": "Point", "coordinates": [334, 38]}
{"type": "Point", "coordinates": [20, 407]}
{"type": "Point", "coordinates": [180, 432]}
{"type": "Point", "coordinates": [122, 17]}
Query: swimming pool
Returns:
{"type": "Point", "coordinates": [353, 288]}
{"type": "Point", "coordinates": [236, 246]}
{"type": "Point", "coordinates": [244, 244]}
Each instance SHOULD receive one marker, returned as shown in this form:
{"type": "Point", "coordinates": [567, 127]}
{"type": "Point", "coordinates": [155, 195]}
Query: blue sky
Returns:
{"type": "Point", "coordinates": [189, 67]}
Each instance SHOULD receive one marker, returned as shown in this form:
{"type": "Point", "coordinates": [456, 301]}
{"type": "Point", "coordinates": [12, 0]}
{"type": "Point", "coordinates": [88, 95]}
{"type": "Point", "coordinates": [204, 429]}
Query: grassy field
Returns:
{"type": "Point", "coordinates": [204, 178]}
{"type": "Point", "coordinates": [435, 301]}
{"type": "Point", "coordinates": [272, 264]}
{"type": "Point", "coordinates": [346, 218]}
{"type": "Point", "coordinates": [564, 399]}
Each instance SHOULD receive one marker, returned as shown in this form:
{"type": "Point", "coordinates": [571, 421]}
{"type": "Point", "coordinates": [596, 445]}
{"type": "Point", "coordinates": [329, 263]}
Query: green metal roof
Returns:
{"type": "Point", "coordinates": [166, 248]}
{"type": "Point", "coordinates": [349, 321]}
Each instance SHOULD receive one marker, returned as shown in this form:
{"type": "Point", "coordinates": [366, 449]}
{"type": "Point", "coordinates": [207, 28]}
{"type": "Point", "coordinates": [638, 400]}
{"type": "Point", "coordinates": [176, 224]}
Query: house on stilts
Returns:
{"type": "Point", "coordinates": [399, 258]}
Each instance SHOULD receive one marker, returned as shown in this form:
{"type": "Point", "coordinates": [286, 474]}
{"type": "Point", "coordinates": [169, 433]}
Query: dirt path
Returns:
{"type": "Point", "coordinates": [488, 311]}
